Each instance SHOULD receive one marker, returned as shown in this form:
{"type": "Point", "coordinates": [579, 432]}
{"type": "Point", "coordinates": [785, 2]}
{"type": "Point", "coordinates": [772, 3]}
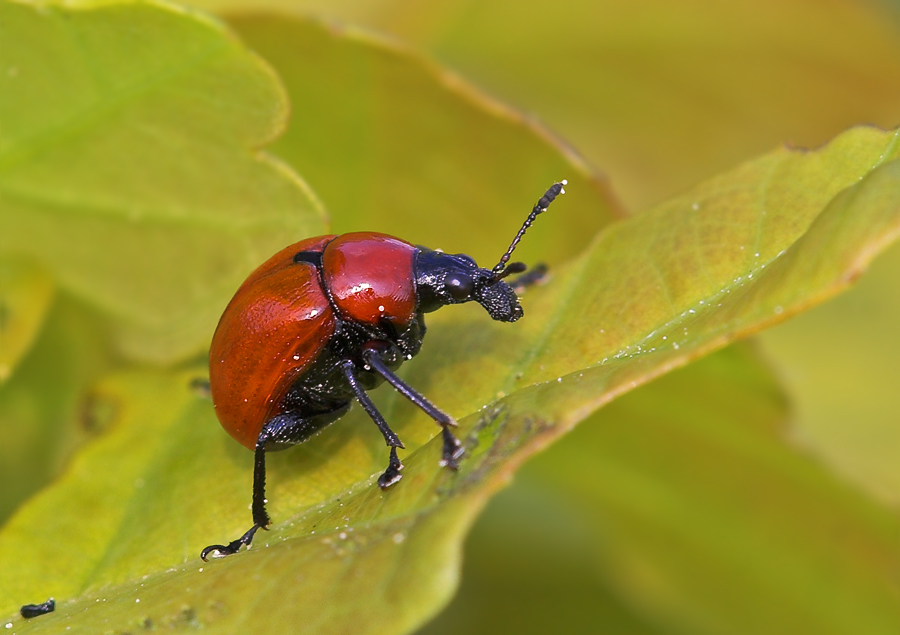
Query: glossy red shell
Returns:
{"type": "Point", "coordinates": [277, 323]}
{"type": "Point", "coordinates": [371, 277]}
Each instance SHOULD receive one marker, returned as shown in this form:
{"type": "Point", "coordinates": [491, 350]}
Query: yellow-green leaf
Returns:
{"type": "Point", "coordinates": [685, 502]}
{"type": "Point", "coordinates": [25, 295]}
{"type": "Point", "coordinates": [840, 364]}
{"type": "Point", "coordinates": [46, 409]}
{"type": "Point", "coordinates": [130, 163]}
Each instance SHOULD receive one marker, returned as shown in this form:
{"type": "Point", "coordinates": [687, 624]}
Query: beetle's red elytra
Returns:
{"type": "Point", "coordinates": [327, 319]}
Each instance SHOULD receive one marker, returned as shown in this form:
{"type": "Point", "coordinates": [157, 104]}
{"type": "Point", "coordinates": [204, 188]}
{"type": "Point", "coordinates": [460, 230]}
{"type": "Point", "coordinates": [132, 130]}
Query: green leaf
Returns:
{"type": "Point", "coordinates": [394, 143]}
{"type": "Point", "coordinates": [130, 166]}
{"type": "Point", "coordinates": [25, 295]}
{"type": "Point", "coordinates": [46, 409]}
{"type": "Point", "coordinates": [650, 294]}
{"type": "Point", "coordinates": [687, 502]}
{"type": "Point", "coordinates": [841, 366]}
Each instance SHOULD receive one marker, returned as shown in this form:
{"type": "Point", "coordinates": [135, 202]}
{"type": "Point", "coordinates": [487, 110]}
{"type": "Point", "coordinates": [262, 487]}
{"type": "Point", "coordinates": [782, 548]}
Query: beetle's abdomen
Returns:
{"type": "Point", "coordinates": [371, 278]}
{"type": "Point", "coordinates": [275, 326]}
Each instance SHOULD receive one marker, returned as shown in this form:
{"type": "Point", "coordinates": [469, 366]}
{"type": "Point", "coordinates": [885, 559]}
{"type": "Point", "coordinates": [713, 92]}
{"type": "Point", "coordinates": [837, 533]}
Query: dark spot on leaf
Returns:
{"type": "Point", "coordinates": [98, 412]}
{"type": "Point", "coordinates": [200, 387]}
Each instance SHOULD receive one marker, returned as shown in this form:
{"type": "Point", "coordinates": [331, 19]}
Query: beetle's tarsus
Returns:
{"type": "Point", "coordinates": [232, 547]}
{"type": "Point", "coordinates": [392, 473]}
{"type": "Point", "coordinates": [453, 450]}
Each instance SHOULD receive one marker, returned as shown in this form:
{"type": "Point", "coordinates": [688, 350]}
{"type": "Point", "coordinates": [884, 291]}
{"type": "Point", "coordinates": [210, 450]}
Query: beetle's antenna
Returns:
{"type": "Point", "coordinates": [549, 196]}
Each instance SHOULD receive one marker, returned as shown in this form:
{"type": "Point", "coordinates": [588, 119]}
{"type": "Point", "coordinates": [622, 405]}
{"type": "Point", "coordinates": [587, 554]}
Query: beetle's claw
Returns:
{"type": "Point", "coordinates": [389, 477]}
{"type": "Point", "coordinates": [221, 550]}
{"type": "Point", "coordinates": [392, 473]}
{"type": "Point", "coordinates": [452, 451]}
{"type": "Point", "coordinates": [232, 547]}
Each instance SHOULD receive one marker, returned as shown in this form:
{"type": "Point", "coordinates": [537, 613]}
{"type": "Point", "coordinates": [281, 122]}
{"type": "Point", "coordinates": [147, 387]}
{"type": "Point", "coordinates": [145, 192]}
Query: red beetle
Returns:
{"type": "Point", "coordinates": [328, 318]}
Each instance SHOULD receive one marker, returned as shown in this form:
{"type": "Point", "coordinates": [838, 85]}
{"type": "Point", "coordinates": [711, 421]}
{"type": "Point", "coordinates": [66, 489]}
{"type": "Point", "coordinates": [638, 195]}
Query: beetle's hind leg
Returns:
{"type": "Point", "coordinates": [282, 431]}
{"type": "Point", "coordinates": [260, 516]}
{"type": "Point", "coordinates": [453, 449]}
{"type": "Point", "coordinates": [392, 473]}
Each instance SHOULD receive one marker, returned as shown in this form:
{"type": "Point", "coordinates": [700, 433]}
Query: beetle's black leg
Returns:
{"type": "Point", "coordinates": [392, 473]}
{"type": "Point", "coordinates": [260, 516]}
{"type": "Point", "coordinates": [453, 449]}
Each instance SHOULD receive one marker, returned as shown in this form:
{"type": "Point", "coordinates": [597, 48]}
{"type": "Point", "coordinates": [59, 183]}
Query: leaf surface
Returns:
{"type": "Point", "coordinates": [840, 363]}
{"type": "Point", "coordinates": [683, 503]}
{"type": "Point", "coordinates": [25, 296]}
{"type": "Point", "coordinates": [652, 292]}
{"type": "Point", "coordinates": [130, 167]}
{"type": "Point", "coordinates": [46, 408]}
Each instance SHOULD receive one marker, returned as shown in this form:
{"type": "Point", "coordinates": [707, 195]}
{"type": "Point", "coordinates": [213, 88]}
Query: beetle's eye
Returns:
{"type": "Point", "coordinates": [459, 286]}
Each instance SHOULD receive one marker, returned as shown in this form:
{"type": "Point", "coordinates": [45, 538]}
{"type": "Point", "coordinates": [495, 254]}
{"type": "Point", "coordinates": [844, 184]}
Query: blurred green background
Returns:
{"type": "Point", "coordinates": [656, 96]}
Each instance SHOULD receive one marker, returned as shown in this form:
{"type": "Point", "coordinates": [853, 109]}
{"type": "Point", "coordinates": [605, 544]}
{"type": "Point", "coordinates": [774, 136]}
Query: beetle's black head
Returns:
{"type": "Point", "coordinates": [443, 279]}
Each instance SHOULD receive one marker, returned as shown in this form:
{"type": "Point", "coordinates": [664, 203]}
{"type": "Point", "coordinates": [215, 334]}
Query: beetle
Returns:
{"type": "Point", "coordinates": [329, 318]}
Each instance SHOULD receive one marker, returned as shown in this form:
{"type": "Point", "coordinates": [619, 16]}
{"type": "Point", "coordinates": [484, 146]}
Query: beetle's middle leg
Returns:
{"type": "Point", "coordinates": [453, 449]}
{"type": "Point", "coordinates": [392, 473]}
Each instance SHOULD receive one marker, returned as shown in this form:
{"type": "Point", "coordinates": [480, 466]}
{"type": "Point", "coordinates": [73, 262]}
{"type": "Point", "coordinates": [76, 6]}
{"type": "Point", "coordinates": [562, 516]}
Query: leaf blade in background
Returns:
{"type": "Point", "coordinates": [839, 362]}
{"type": "Point", "coordinates": [25, 296]}
{"type": "Point", "coordinates": [822, 215]}
{"type": "Point", "coordinates": [660, 95]}
{"type": "Point", "coordinates": [46, 408]}
{"type": "Point", "coordinates": [394, 143]}
{"type": "Point", "coordinates": [130, 166]}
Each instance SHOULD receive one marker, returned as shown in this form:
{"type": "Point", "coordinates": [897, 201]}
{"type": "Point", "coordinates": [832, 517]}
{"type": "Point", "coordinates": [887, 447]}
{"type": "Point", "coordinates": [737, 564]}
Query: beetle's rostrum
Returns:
{"type": "Point", "coordinates": [329, 318]}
